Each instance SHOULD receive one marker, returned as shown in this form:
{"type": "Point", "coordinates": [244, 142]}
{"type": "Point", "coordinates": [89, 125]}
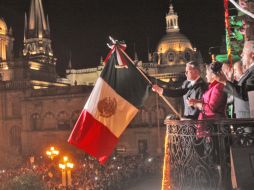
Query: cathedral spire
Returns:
{"type": "Point", "coordinates": [37, 43]}
{"type": "Point", "coordinates": [172, 20]}
{"type": "Point", "coordinates": [37, 24]}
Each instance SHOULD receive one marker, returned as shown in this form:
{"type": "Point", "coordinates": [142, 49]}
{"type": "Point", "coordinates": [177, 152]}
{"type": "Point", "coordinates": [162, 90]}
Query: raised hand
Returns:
{"type": "Point", "coordinates": [157, 89]}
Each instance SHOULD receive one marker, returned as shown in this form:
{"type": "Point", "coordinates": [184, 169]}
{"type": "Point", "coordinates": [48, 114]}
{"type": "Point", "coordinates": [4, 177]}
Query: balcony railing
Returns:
{"type": "Point", "coordinates": [198, 152]}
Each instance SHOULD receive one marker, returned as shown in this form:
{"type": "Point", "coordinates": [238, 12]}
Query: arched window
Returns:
{"type": "Point", "coordinates": [63, 121]}
{"type": "Point", "coordinates": [29, 47]}
{"type": "Point", "coordinates": [171, 22]}
{"type": "Point", "coordinates": [35, 121]}
{"type": "Point", "coordinates": [187, 56]}
{"type": "Point", "coordinates": [171, 56]}
{"type": "Point", "coordinates": [49, 121]}
{"type": "Point", "coordinates": [34, 47]}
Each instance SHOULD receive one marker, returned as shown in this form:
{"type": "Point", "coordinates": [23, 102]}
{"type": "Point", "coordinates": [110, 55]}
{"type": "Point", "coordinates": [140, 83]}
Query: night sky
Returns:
{"type": "Point", "coordinates": [82, 27]}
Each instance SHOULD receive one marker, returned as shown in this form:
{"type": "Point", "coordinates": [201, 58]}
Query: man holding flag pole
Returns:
{"type": "Point", "coordinates": [193, 87]}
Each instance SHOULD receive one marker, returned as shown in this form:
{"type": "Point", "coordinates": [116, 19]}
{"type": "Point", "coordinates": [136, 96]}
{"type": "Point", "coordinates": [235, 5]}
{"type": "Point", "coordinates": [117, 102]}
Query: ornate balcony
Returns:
{"type": "Point", "coordinates": [198, 153]}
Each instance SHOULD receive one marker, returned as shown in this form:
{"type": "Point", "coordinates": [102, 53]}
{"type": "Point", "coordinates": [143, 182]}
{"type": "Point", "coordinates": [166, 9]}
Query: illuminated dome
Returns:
{"type": "Point", "coordinates": [174, 41]}
{"type": "Point", "coordinates": [174, 47]}
{"type": "Point", "coordinates": [3, 27]}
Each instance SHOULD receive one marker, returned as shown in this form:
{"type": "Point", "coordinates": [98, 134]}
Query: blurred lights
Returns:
{"type": "Point", "coordinates": [62, 166]}
{"type": "Point", "coordinates": [66, 164]}
{"type": "Point", "coordinates": [150, 159]}
{"type": "Point", "coordinates": [65, 158]}
{"type": "Point", "coordinates": [70, 165]}
{"type": "Point", "coordinates": [52, 152]}
{"type": "Point", "coordinates": [5, 67]}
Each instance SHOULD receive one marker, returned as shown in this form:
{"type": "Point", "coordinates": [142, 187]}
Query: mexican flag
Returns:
{"type": "Point", "coordinates": [118, 94]}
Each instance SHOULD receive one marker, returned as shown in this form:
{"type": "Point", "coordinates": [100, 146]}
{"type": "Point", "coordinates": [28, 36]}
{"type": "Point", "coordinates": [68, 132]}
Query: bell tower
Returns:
{"type": "Point", "coordinates": [39, 60]}
{"type": "Point", "coordinates": [172, 20]}
{"type": "Point", "coordinates": [37, 42]}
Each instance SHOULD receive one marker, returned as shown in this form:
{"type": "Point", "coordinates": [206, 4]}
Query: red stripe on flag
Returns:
{"type": "Point", "coordinates": [93, 137]}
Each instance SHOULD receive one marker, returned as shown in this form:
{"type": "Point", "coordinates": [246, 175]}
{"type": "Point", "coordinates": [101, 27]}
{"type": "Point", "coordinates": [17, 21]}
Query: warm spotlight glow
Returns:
{"type": "Point", "coordinates": [52, 152]}
{"type": "Point", "coordinates": [62, 166]}
{"type": "Point", "coordinates": [34, 65]}
{"type": "Point", "coordinates": [5, 67]}
{"type": "Point", "coordinates": [70, 165]}
{"type": "Point", "coordinates": [38, 87]}
{"type": "Point", "coordinates": [65, 158]}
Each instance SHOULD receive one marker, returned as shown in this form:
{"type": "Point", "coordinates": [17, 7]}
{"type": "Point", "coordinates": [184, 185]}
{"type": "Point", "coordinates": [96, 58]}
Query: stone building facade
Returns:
{"type": "Point", "coordinates": [39, 109]}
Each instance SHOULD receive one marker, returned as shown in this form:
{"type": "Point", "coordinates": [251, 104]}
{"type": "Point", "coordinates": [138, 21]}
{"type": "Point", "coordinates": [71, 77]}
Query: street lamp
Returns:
{"type": "Point", "coordinates": [66, 166]}
{"type": "Point", "coordinates": [52, 152]}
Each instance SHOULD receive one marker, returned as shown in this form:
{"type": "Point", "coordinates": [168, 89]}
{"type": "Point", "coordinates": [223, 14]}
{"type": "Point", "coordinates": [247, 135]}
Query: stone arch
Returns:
{"type": "Point", "coordinates": [33, 47]}
{"type": "Point", "coordinates": [63, 121]}
{"type": "Point", "coordinates": [188, 55]}
{"type": "Point", "coordinates": [171, 23]}
{"type": "Point", "coordinates": [49, 121]}
{"type": "Point", "coordinates": [29, 47]}
{"type": "Point", "coordinates": [35, 121]}
{"type": "Point", "coordinates": [171, 56]}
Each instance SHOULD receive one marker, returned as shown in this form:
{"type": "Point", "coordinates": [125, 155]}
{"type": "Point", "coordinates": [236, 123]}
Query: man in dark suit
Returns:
{"type": "Point", "coordinates": [244, 85]}
{"type": "Point", "coordinates": [241, 107]}
{"type": "Point", "coordinates": [193, 87]}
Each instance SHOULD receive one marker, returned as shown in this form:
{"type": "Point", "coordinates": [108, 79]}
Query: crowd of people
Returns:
{"type": "Point", "coordinates": [118, 173]}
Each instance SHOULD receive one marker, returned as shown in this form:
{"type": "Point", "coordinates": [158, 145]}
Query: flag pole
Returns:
{"type": "Point", "coordinates": [163, 97]}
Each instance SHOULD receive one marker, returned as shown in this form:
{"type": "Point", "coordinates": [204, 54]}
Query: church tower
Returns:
{"type": "Point", "coordinates": [6, 51]}
{"type": "Point", "coordinates": [6, 42]}
{"type": "Point", "coordinates": [172, 20]}
{"type": "Point", "coordinates": [37, 42]}
{"type": "Point", "coordinates": [39, 61]}
{"type": "Point", "coordinates": [174, 48]}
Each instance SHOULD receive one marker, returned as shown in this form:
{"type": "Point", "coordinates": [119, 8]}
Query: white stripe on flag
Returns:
{"type": "Point", "coordinates": [124, 112]}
